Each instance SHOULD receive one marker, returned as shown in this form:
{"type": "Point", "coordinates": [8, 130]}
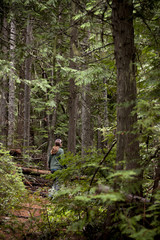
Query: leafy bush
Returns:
{"type": "Point", "coordinates": [12, 189]}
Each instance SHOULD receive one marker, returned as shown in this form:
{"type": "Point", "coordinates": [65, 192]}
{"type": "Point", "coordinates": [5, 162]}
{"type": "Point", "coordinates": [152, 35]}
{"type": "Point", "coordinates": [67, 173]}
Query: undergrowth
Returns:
{"type": "Point", "coordinates": [95, 209]}
{"type": "Point", "coordinates": [94, 201]}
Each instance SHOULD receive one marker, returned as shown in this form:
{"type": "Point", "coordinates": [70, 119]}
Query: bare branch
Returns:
{"type": "Point", "coordinates": [102, 161]}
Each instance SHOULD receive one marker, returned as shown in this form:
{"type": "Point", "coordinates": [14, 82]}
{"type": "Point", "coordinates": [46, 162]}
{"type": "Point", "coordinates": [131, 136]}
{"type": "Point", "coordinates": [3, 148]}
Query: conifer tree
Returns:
{"type": "Point", "coordinates": [11, 100]}
{"type": "Point", "coordinates": [123, 34]}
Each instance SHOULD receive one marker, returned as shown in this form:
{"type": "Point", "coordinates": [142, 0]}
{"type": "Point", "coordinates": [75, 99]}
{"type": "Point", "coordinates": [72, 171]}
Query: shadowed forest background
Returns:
{"type": "Point", "coordinates": [86, 72]}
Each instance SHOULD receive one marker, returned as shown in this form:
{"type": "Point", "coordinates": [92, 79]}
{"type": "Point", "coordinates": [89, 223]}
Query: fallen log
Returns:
{"type": "Point", "coordinates": [34, 171]}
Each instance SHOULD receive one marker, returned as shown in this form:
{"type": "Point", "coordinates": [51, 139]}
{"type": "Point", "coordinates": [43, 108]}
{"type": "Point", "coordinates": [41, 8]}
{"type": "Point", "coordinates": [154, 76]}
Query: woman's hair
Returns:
{"type": "Point", "coordinates": [55, 148]}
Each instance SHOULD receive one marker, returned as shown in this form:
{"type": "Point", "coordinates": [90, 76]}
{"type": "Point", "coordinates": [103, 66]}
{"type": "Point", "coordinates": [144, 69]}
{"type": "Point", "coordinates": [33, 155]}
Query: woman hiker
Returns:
{"type": "Point", "coordinates": [54, 158]}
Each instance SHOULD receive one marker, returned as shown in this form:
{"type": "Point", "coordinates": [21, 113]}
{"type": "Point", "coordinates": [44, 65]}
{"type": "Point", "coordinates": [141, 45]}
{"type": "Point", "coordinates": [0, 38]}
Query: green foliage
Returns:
{"type": "Point", "coordinates": [6, 70]}
{"type": "Point", "coordinates": [79, 205]}
{"type": "Point", "coordinates": [144, 223]}
{"type": "Point", "coordinates": [108, 133]}
{"type": "Point", "coordinates": [12, 189]}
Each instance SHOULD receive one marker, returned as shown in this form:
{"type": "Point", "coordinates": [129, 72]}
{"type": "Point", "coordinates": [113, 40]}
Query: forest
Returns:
{"type": "Point", "coordinates": [85, 72]}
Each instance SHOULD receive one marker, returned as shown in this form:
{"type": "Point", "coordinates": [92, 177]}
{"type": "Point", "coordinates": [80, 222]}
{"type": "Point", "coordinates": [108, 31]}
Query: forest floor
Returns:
{"type": "Point", "coordinates": [24, 221]}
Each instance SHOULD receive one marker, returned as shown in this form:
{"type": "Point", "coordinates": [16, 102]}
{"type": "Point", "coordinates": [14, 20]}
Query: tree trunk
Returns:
{"type": "Point", "coordinates": [72, 91]}
{"type": "Point", "coordinates": [104, 141]}
{"type": "Point", "coordinates": [4, 87]}
{"type": "Point", "coordinates": [20, 117]}
{"type": "Point", "coordinates": [86, 120]}
{"type": "Point", "coordinates": [99, 133]}
{"type": "Point", "coordinates": [34, 171]}
{"type": "Point", "coordinates": [28, 66]}
{"type": "Point", "coordinates": [156, 180]}
{"type": "Point", "coordinates": [51, 126]}
{"type": "Point", "coordinates": [106, 118]}
{"type": "Point", "coordinates": [52, 118]}
{"type": "Point", "coordinates": [11, 101]}
{"type": "Point", "coordinates": [123, 34]}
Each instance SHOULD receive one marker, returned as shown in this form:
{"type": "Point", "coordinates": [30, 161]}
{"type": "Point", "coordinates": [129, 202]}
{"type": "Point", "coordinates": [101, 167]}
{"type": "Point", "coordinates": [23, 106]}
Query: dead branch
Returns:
{"type": "Point", "coordinates": [102, 161]}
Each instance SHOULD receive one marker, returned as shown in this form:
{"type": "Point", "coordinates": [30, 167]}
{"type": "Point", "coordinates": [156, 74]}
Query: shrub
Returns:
{"type": "Point", "coordinates": [12, 189]}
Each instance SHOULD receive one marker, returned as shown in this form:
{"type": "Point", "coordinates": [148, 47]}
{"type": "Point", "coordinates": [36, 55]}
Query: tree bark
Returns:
{"type": "Point", "coordinates": [123, 35]}
{"type": "Point", "coordinates": [106, 117]}
{"type": "Point", "coordinates": [99, 133]}
{"type": "Point", "coordinates": [156, 180]}
{"type": "Point", "coordinates": [20, 117]}
{"type": "Point", "coordinates": [4, 86]}
{"type": "Point", "coordinates": [28, 66]}
{"type": "Point", "coordinates": [11, 102]}
{"type": "Point", "coordinates": [51, 127]}
{"type": "Point", "coordinates": [52, 117]}
{"type": "Point", "coordinates": [34, 171]}
{"type": "Point", "coordinates": [104, 142]}
{"type": "Point", "coordinates": [72, 91]}
{"type": "Point", "coordinates": [86, 120]}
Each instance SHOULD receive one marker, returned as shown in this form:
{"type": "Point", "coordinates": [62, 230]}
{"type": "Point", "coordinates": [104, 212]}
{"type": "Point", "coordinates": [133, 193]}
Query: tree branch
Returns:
{"type": "Point", "coordinates": [102, 161]}
{"type": "Point", "coordinates": [97, 49]}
